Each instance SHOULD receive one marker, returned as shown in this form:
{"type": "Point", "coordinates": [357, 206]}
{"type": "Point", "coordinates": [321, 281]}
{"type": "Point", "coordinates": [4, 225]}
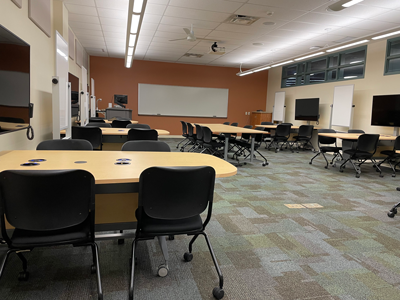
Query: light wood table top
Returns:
{"type": "Point", "coordinates": [354, 136]}
{"type": "Point", "coordinates": [274, 126]}
{"type": "Point", "coordinates": [102, 163]}
{"type": "Point", "coordinates": [221, 128]}
{"type": "Point", "coordinates": [121, 131]}
{"type": "Point", "coordinates": [12, 126]}
{"type": "Point", "coordinates": [110, 121]}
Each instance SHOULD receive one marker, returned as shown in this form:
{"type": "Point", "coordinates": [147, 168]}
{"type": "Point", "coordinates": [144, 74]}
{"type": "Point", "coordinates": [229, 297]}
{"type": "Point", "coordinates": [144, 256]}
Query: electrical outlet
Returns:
{"type": "Point", "coordinates": [245, 113]}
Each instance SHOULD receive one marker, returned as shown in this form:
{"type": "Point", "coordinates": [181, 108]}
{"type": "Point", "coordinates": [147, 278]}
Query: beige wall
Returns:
{"type": "Point", "coordinates": [42, 68]}
{"type": "Point", "coordinates": [374, 83]}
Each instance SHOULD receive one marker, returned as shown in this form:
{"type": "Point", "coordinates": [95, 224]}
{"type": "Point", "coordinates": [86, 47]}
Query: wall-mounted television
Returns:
{"type": "Point", "coordinates": [14, 82]}
{"type": "Point", "coordinates": [121, 100]}
{"type": "Point", "coordinates": [307, 109]}
{"type": "Point", "coordinates": [386, 110]}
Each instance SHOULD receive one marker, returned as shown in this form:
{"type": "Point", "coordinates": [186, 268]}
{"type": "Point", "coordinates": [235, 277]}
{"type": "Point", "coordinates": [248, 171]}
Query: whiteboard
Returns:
{"type": "Point", "coordinates": [342, 105]}
{"type": "Point", "coordinates": [279, 107]}
{"type": "Point", "coordinates": [84, 104]}
{"type": "Point", "coordinates": [169, 100]}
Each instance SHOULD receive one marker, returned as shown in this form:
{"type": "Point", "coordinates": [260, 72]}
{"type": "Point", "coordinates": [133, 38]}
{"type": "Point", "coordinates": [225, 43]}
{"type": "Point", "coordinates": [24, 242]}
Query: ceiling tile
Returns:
{"type": "Point", "coordinates": [80, 2]}
{"type": "Point", "coordinates": [263, 11]}
{"type": "Point", "coordinates": [373, 25]}
{"type": "Point", "coordinates": [83, 19]}
{"type": "Point", "coordinates": [113, 4]}
{"type": "Point", "coordinates": [164, 2]}
{"type": "Point", "coordinates": [327, 19]}
{"type": "Point", "coordinates": [112, 13]}
{"type": "Point", "coordinates": [194, 14]}
{"type": "Point", "coordinates": [155, 9]}
{"type": "Point", "coordinates": [79, 32]}
{"type": "Point", "coordinates": [298, 5]}
{"type": "Point", "coordinates": [81, 10]}
{"type": "Point", "coordinates": [188, 22]}
{"type": "Point", "coordinates": [391, 16]}
{"type": "Point", "coordinates": [152, 19]}
{"type": "Point", "coordinates": [211, 5]}
{"type": "Point", "coordinates": [113, 22]}
{"type": "Point", "coordinates": [356, 11]}
{"type": "Point", "coordinates": [306, 27]}
{"type": "Point", "coordinates": [382, 3]}
{"type": "Point", "coordinates": [114, 29]}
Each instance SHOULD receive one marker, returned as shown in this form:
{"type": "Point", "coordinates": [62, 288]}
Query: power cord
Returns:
{"type": "Point", "coordinates": [29, 133]}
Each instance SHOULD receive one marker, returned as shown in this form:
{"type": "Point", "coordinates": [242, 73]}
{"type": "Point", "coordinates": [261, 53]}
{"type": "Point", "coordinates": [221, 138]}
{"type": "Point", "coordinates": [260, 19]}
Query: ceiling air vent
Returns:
{"type": "Point", "coordinates": [241, 20]}
{"type": "Point", "coordinates": [193, 55]}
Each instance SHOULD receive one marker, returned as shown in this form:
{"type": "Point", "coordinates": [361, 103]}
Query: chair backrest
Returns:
{"type": "Point", "coordinates": [145, 126]}
{"type": "Point", "coordinates": [267, 123]}
{"type": "Point", "coordinates": [258, 138]}
{"type": "Point", "coordinates": [199, 132]}
{"type": "Point", "coordinates": [120, 123]}
{"type": "Point", "coordinates": [246, 136]}
{"type": "Point", "coordinates": [11, 120]}
{"type": "Point", "coordinates": [356, 131]}
{"type": "Point", "coordinates": [306, 130]}
{"type": "Point", "coordinates": [98, 124]}
{"type": "Point", "coordinates": [135, 134]}
{"type": "Point", "coordinates": [96, 120]}
{"type": "Point", "coordinates": [397, 143]}
{"type": "Point", "coordinates": [184, 128]}
{"type": "Point", "coordinates": [155, 146]}
{"type": "Point", "coordinates": [91, 134]}
{"type": "Point", "coordinates": [182, 192]}
{"type": "Point", "coordinates": [287, 124]}
{"type": "Point", "coordinates": [325, 140]}
{"type": "Point", "coordinates": [283, 130]}
{"type": "Point", "coordinates": [226, 123]}
{"type": "Point", "coordinates": [367, 142]}
{"type": "Point", "coordinates": [235, 124]}
{"type": "Point", "coordinates": [207, 134]}
{"type": "Point", "coordinates": [46, 199]}
{"type": "Point", "coordinates": [71, 144]}
{"type": "Point", "coordinates": [190, 129]}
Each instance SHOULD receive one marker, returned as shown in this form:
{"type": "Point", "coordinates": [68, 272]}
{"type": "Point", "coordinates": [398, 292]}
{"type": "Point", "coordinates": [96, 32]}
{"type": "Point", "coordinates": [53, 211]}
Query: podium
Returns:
{"type": "Point", "coordinates": [114, 112]}
{"type": "Point", "coordinates": [256, 117]}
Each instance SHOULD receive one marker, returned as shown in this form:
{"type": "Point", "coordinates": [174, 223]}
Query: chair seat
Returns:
{"type": "Point", "coordinates": [30, 238]}
{"type": "Point", "coordinates": [358, 153]}
{"type": "Point", "coordinates": [301, 138]}
{"type": "Point", "coordinates": [330, 149]}
{"type": "Point", "coordinates": [279, 138]}
{"type": "Point", "coordinates": [391, 153]}
{"type": "Point", "coordinates": [164, 227]}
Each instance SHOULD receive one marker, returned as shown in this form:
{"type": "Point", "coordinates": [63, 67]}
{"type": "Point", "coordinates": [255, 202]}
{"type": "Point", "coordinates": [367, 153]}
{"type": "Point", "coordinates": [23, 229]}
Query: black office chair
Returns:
{"type": "Point", "coordinates": [135, 134]}
{"type": "Point", "coordinates": [46, 211]}
{"type": "Point", "coordinates": [69, 144]}
{"type": "Point", "coordinates": [304, 137]}
{"type": "Point", "coordinates": [91, 134]}
{"type": "Point", "coordinates": [184, 134]}
{"type": "Point", "coordinates": [198, 146]}
{"type": "Point", "coordinates": [120, 123]}
{"type": "Point", "coordinates": [245, 146]}
{"type": "Point", "coordinates": [96, 120]}
{"type": "Point", "coordinates": [191, 136]}
{"type": "Point", "coordinates": [392, 156]}
{"type": "Point", "coordinates": [267, 135]}
{"type": "Point", "coordinates": [156, 146]}
{"type": "Point", "coordinates": [325, 145]}
{"type": "Point", "coordinates": [210, 145]}
{"type": "Point", "coordinates": [144, 126]}
{"type": "Point", "coordinates": [11, 120]}
{"type": "Point", "coordinates": [267, 123]}
{"type": "Point", "coordinates": [282, 134]}
{"type": "Point", "coordinates": [346, 143]}
{"type": "Point", "coordinates": [226, 123]}
{"type": "Point", "coordinates": [188, 192]}
{"type": "Point", "coordinates": [98, 124]}
{"type": "Point", "coordinates": [365, 149]}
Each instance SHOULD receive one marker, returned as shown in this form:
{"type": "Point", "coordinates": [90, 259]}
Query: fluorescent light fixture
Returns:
{"type": "Point", "coordinates": [261, 69]}
{"type": "Point", "coordinates": [137, 6]}
{"type": "Point", "coordinates": [244, 73]}
{"type": "Point", "coordinates": [349, 45]}
{"type": "Point", "coordinates": [130, 51]}
{"type": "Point", "coordinates": [132, 39]}
{"type": "Point", "coordinates": [356, 62]}
{"type": "Point", "coordinates": [282, 63]}
{"type": "Point", "coordinates": [351, 3]}
{"type": "Point", "coordinates": [349, 77]}
{"type": "Point", "coordinates": [311, 55]}
{"type": "Point", "coordinates": [385, 35]}
{"type": "Point", "coordinates": [135, 24]}
{"type": "Point", "coordinates": [128, 61]}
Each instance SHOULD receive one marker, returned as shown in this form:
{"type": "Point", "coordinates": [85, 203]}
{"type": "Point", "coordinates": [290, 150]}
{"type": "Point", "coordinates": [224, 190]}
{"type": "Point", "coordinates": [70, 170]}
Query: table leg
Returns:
{"type": "Point", "coordinates": [226, 147]}
{"type": "Point", "coordinates": [252, 149]}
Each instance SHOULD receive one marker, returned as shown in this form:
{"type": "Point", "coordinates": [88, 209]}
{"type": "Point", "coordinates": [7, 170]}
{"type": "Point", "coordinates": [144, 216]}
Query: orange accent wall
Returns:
{"type": "Point", "coordinates": [246, 93]}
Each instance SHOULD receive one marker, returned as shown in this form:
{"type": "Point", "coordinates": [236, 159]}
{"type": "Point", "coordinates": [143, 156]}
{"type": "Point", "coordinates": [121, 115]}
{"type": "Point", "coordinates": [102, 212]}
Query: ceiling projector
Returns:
{"type": "Point", "coordinates": [216, 50]}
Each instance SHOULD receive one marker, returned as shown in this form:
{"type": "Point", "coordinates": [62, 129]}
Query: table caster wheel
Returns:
{"type": "Point", "coordinates": [390, 214]}
{"type": "Point", "coordinates": [310, 163]}
{"type": "Point", "coordinates": [162, 270]}
{"type": "Point", "coordinates": [218, 293]}
{"type": "Point", "coordinates": [23, 276]}
{"type": "Point", "coordinates": [188, 256]}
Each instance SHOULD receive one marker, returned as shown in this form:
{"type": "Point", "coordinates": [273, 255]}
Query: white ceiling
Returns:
{"type": "Point", "coordinates": [100, 26]}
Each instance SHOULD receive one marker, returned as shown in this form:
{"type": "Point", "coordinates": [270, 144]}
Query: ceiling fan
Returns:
{"type": "Point", "coordinates": [191, 37]}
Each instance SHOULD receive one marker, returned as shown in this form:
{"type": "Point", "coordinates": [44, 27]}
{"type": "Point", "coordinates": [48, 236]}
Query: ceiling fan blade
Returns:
{"type": "Point", "coordinates": [178, 40]}
{"type": "Point", "coordinates": [187, 31]}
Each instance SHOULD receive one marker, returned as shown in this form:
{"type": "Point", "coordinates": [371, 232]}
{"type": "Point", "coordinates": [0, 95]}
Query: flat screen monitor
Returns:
{"type": "Point", "coordinates": [307, 109]}
{"type": "Point", "coordinates": [14, 82]}
{"type": "Point", "coordinates": [121, 100]}
{"type": "Point", "coordinates": [386, 110]}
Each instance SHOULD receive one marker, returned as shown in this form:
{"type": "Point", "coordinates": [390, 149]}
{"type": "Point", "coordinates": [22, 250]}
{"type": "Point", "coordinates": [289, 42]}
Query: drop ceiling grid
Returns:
{"type": "Point", "coordinates": [304, 23]}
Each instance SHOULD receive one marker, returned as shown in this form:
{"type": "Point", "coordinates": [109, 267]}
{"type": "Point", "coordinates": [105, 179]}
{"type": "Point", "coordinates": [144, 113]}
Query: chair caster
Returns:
{"type": "Point", "coordinates": [93, 269]}
{"type": "Point", "coordinates": [265, 164]}
{"type": "Point", "coordinates": [162, 270]}
{"type": "Point", "coordinates": [341, 170]}
{"type": "Point", "coordinates": [310, 163]}
{"type": "Point", "coordinates": [218, 293]}
{"type": "Point", "coordinates": [23, 276]}
{"type": "Point", "coordinates": [326, 167]}
{"type": "Point", "coordinates": [171, 237]}
{"type": "Point", "coordinates": [121, 241]}
{"type": "Point", "coordinates": [392, 212]}
{"type": "Point", "coordinates": [393, 175]}
{"type": "Point", "coordinates": [358, 176]}
{"type": "Point", "coordinates": [188, 256]}
{"type": "Point", "coordinates": [381, 175]}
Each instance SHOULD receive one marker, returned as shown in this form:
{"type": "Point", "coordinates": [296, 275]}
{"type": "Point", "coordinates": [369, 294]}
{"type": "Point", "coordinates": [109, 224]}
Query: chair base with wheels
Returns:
{"type": "Point", "coordinates": [336, 153]}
